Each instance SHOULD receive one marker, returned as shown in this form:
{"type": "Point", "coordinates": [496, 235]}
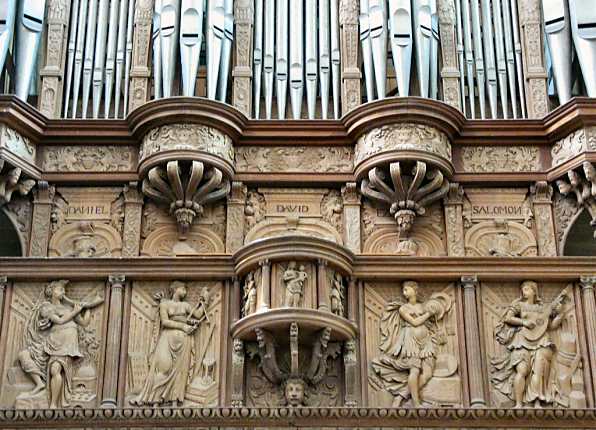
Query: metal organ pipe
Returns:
{"type": "Point", "coordinates": [29, 27]}
{"type": "Point", "coordinates": [281, 56]}
{"type": "Point", "coordinates": [120, 53]}
{"type": "Point", "coordinates": [434, 51]}
{"type": "Point", "coordinates": [269, 56]}
{"type": "Point", "coordinates": [583, 27]}
{"type": "Point", "coordinates": [423, 34]}
{"type": "Point", "coordinates": [79, 57]}
{"type": "Point", "coordinates": [156, 40]}
{"type": "Point", "coordinates": [74, 19]}
{"type": "Point", "coordinates": [310, 62]}
{"type": "Point", "coordinates": [191, 32]}
{"type": "Point", "coordinates": [169, 34]}
{"type": "Point", "coordinates": [510, 54]}
{"type": "Point", "coordinates": [378, 37]}
{"type": "Point", "coordinates": [518, 57]}
{"type": "Point", "coordinates": [226, 50]}
{"type": "Point", "coordinates": [324, 56]}
{"type": "Point", "coordinates": [111, 56]}
{"type": "Point", "coordinates": [460, 54]}
{"type": "Point", "coordinates": [501, 62]}
{"type": "Point", "coordinates": [364, 22]}
{"type": "Point", "coordinates": [296, 56]}
{"type": "Point", "coordinates": [478, 55]}
{"type": "Point", "coordinates": [469, 55]}
{"type": "Point", "coordinates": [128, 58]}
{"type": "Point", "coordinates": [489, 56]}
{"type": "Point", "coordinates": [335, 56]}
{"type": "Point", "coordinates": [400, 28]}
{"type": "Point", "coordinates": [8, 12]}
{"type": "Point", "coordinates": [88, 56]}
{"type": "Point", "coordinates": [257, 57]}
{"type": "Point", "coordinates": [99, 62]}
{"type": "Point", "coordinates": [558, 36]}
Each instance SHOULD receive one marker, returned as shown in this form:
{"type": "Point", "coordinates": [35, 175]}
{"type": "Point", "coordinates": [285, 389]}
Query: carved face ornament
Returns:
{"type": "Point", "coordinates": [295, 392]}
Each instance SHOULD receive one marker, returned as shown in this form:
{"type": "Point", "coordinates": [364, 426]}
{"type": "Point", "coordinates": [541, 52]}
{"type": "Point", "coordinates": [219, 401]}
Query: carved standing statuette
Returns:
{"type": "Point", "coordinates": [535, 371]}
{"type": "Point", "coordinates": [250, 295]}
{"type": "Point", "coordinates": [172, 363]}
{"type": "Point", "coordinates": [410, 335]}
{"type": "Point", "coordinates": [337, 295]}
{"type": "Point", "coordinates": [56, 343]}
{"type": "Point", "coordinates": [407, 194]}
{"type": "Point", "coordinates": [294, 278]}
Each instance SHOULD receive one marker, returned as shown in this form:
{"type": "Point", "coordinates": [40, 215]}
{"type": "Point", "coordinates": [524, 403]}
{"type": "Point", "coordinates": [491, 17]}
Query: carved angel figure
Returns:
{"type": "Point", "coordinates": [524, 373]}
{"type": "Point", "coordinates": [54, 343]}
{"type": "Point", "coordinates": [410, 337]}
{"type": "Point", "coordinates": [172, 359]}
{"type": "Point", "coordinates": [294, 280]}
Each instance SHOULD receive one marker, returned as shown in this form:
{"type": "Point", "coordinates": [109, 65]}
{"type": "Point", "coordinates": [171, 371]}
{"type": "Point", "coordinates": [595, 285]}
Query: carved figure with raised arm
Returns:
{"type": "Point", "coordinates": [525, 373]}
{"type": "Point", "coordinates": [410, 337]}
{"type": "Point", "coordinates": [53, 344]}
{"type": "Point", "coordinates": [294, 279]}
{"type": "Point", "coordinates": [172, 359]}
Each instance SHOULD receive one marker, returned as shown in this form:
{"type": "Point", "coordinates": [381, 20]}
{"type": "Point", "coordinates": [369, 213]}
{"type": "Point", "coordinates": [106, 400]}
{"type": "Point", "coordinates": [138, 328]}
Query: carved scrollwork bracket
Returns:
{"type": "Point", "coordinates": [407, 188]}
{"type": "Point", "coordinates": [186, 187]}
{"type": "Point", "coordinates": [581, 183]}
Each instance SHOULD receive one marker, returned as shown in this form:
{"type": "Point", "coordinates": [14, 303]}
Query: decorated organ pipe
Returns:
{"type": "Point", "coordinates": [296, 45]}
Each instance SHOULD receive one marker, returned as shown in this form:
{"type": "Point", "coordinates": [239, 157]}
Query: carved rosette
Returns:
{"type": "Point", "coordinates": [186, 166]}
{"type": "Point", "coordinates": [404, 167]}
{"type": "Point", "coordinates": [581, 183]}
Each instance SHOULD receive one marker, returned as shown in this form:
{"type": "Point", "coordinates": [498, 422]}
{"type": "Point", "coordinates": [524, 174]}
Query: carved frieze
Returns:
{"type": "Point", "coordinates": [404, 137]}
{"type": "Point", "coordinates": [192, 137]}
{"type": "Point", "coordinates": [174, 344]}
{"type": "Point", "coordinates": [17, 144]}
{"type": "Point", "coordinates": [88, 159]}
{"type": "Point", "coordinates": [265, 159]}
{"type": "Point", "coordinates": [412, 345]}
{"type": "Point", "coordinates": [532, 345]}
{"type": "Point", "coordinates": [55, 358]}
{"type": "Point", "coordinates": [496, 159]}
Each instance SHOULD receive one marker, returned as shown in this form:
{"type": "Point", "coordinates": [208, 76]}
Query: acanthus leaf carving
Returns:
{"type": "Point", "coordinates": [484, 159]}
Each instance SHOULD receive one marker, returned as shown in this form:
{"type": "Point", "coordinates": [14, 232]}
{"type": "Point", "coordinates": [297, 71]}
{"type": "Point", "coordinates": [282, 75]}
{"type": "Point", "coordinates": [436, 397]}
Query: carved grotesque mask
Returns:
{"type": "Point", "coordinates": [295, 392]}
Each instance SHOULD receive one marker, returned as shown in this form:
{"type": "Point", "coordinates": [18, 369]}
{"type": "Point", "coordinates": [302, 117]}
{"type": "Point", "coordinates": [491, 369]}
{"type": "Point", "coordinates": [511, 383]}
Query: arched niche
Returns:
{"type": "Point", "coordinates": [11, 244]}
{"type": "Point", "coordinates": [579, 239]}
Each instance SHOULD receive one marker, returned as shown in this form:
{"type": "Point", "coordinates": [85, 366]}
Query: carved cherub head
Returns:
{"type": "Point", "coordinates": [56, 289]}
{"type": "Point", "coordinates": [295, 391]}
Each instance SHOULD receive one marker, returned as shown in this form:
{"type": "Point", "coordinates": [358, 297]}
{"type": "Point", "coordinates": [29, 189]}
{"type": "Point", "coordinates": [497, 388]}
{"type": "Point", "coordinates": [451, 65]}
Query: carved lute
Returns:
{"type": "Point", "coordinates": [543, 320]}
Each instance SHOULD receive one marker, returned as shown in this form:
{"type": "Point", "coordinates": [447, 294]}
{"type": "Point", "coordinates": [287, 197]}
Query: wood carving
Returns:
{"type": "Point", "coordinates": [337, 295]}
{"type": "Point", "coordinates": [13, 181]}
{"type": "Point", "coordinates": [56, 342]}
{"type": "Point", "coordinates": [540, 361]}
{"type": "Point", "coordinates": [408, 193]}
{"type": "Point", "coordinates": [186, 188]}
{"type": "Point", "coordinates": [172, 350]}
{"type": "Point", "coordinates": [250, 295]}
{"type": "Point", "coordinates": [410, 335]}
{"type": "Point", "coordinates": [294, 279]}
{"type": "Point", "coordinates": [582, 185]}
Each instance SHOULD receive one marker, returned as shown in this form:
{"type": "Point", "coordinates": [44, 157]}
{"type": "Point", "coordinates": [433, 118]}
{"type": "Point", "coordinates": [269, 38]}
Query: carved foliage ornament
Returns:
{"type": "Point", "coordinates": [582, 184]}
{"type": "Point", "coordinates": [186, 187]}
{"type": "Point", "coordinates": [408, 193]}
{"type": "Point", "coordinates": [12, 181]}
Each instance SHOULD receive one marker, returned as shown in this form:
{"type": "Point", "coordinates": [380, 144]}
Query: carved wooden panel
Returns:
{"type": "Point", "coordinates": [174, 344]}
{"type": "Point", "coordinates": [536, 338]}
{"type": "Point", "coordinates": [395, 349]}
{"type": "Point", "coordinates": [53, 351]}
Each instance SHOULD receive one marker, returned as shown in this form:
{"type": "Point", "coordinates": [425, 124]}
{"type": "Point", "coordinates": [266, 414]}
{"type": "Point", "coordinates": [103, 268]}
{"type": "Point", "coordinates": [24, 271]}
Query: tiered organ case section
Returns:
{"type": "Point", "coordinates": [314, 213]}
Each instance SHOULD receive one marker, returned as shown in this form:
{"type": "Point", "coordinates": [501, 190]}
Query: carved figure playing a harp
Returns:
{"type": "Point", "coordinates": [53, 344]}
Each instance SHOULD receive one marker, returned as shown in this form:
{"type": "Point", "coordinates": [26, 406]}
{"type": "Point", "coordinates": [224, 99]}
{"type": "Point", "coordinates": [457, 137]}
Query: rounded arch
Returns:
{"type": "Point", "coordinates": [579, 239]}
{"type": "Point", "coordinates": [12, 244]}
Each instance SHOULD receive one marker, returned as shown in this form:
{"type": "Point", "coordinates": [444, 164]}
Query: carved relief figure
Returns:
{"type": "Point", "coordinates": [526, 373]}
{"type": "Point", "coordinates": [295, 392]}
{"type": "Point", "coordinates": [410, 335]}
{"type": "Point", "coordinates": [250, 295]}
{"type": "Point", "coordinates": [172, 359]}
{"type": "Point", "coordinates": [337, 295]}
{"type": "Point", "coordinates": [294, 280]}
{"type": "Point", "coordinates": [54, 342]}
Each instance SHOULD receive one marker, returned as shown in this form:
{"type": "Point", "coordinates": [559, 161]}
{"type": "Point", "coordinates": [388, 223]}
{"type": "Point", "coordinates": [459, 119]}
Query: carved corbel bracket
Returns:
{"type": "Point", "coordinates": [186, 187]}
{"type": "Point", "coordinates": [407, 188]}
{"type": "Point", "coordinates": [581, 183]}
{"type": "Point", "coordinates": [12, 180]}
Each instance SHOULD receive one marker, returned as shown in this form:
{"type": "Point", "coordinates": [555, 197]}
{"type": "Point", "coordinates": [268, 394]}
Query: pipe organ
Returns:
{"type": "Point", "coordinates": [295, 59]}
{"type": "Point", "coordinates": [296, 45]}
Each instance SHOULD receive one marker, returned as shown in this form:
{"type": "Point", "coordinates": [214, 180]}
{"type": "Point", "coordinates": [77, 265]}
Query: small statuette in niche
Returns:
{"type": "Point", "coordinates": [250, 295]}
{"type": "Point", "coordinates": [337, 295]}
{"type": "Point", "coordinates": [294, 278]}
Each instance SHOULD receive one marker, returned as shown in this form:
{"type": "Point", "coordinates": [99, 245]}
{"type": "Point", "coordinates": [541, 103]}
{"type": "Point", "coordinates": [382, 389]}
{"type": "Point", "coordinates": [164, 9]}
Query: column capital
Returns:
{"type": "Point", "coordinates": [587, 282]}
{"type": "Point", "coordinates": [350, 193]}
{"type": "Point", "coordinates": [455, 195]}
{"type": "Point", "coordinates": [541, 192]}
{"type": "Point", "coordinates": [116, 281]}
{"type": "Point", "coordinates": [469, 281]}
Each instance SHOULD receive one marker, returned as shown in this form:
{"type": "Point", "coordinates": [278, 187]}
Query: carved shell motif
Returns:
{"type": "Point", "coordinates": [186, 187]}
{"type": "Point", "coordinates": [408, 193]}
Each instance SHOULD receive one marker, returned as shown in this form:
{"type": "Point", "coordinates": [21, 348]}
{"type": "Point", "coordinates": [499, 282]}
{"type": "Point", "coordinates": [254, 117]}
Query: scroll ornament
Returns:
{"type": "Point", "coordinates": [408, 193]}
{"type": "Point", "coordinates": [186, 187]}
{"type": "Point", "coordinates": [582, 184]}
